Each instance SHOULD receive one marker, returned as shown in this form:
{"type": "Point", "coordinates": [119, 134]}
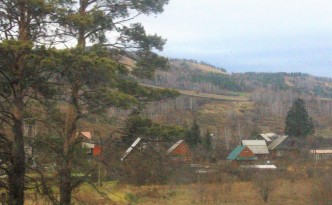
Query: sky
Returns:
{"type": "Point", "coordinates": [249, 35]}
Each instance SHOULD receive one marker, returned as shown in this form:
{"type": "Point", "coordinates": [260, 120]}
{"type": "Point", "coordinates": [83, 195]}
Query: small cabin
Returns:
{"type": "Point", "coordinates": [180, 152]}
{"type": "Point", "coordinates": [241, 153]}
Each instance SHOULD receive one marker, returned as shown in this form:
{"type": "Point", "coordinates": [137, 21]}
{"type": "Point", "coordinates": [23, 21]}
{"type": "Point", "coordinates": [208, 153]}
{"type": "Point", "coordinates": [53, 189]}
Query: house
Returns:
{"type": "Point", "coordinates": [179, 152]}
{"type": "Point", "coordinates": [92, 147]}
{"type": "Point", "coordinates": [85, 136]}
{"type": "Point", "coordinates": [241, 153]}
{"type": "Point", "coordinates": [139, 144]}
{"type": "Point", "coordinates": [284, 146]}
{"type": "Point", "coordinates": [320, 154]}
{"type": "Point", "coordinates": [258, 147]}
{"type": "Point", "coordinates": [132, 146]}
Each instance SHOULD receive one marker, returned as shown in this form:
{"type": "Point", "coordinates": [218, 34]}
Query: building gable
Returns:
{"type": "Point", "coordinates": [241, 152]}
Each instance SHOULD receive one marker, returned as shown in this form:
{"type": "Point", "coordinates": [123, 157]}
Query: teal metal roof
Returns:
{"type": "Point", "coordinates": [235, 153]}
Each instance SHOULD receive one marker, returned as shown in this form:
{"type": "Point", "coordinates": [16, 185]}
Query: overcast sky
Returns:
{"type": "Point", "coordinates": [249, 35]}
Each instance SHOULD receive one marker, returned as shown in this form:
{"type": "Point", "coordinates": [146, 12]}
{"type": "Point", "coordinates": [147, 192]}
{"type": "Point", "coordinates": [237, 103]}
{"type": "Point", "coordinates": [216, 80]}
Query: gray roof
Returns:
{"type": "Point", "coordinates": [263, 166]}
{"type": "Point", "coordinates": [268, 136]}
{"type": "Point", "coordinates": [124, 155]}
{"type": "Point", "coordinates": [174, 146]}
{"type": "Point", "coordinates": [277, 142]}
{"type": "Point", "coordinates": [256, 146]}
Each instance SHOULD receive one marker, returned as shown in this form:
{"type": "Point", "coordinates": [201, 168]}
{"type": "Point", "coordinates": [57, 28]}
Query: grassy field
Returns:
{"type": "Point", "coordinates": [237, 193]}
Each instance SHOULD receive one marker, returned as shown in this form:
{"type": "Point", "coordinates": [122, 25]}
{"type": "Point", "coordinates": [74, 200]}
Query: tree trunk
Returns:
{"type": "Point", "coordinates": [17, 172]}
{"type": "Point", "coordinates": [65, 184]}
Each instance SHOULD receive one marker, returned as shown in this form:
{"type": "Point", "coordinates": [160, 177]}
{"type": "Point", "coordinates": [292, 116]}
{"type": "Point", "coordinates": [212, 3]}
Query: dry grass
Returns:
{"type": "Point", "coordinates": [240, 193]}
{"type": "Point", "coordinates": [237, 193]}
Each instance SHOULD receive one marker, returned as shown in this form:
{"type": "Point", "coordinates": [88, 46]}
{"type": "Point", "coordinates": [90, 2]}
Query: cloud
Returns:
{"type": "Point", "coordinates": [283, 35]}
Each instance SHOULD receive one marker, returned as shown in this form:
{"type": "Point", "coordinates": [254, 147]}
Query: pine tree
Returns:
{"type": "Point", "coordinates": [193, 135]}
{"type": "Point", "coordinates": [298, 122]}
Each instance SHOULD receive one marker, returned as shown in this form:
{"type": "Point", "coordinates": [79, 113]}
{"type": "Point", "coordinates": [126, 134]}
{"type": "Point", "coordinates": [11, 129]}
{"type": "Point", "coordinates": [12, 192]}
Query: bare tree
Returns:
{"type": "Point", "coordinates": [265, 184]}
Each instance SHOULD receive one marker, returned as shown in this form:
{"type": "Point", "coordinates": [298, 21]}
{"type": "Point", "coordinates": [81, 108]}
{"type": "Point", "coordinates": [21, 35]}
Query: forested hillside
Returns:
{"type": "Point", "coordinates": [202, 77]}
{"type": "Point", "coordinates": [269, 96]}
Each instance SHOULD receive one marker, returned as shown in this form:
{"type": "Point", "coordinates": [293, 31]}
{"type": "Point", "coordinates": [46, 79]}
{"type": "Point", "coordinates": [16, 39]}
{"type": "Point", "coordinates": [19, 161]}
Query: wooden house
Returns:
{"type": "Point", "coordinates": [142, 147]}
{"type": "Point", "coordinates": [93, 148]}
{"type": "Point", "coordinates": [258, 147]}
{"type": "Point", "coordinates": [179, 152]}
{"type": "Point", "coordinates": [285, 146]}
{"type": "Point", "coordinates": [241, 153]}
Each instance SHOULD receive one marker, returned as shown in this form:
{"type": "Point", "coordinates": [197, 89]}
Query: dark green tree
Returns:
{"type": "Point", "coordinates": [23, 26]}
{"type": "Point", "coordinates": [193, 135]}
{"type": "Point", "coordinates": [298, 122]}
{"type": "Point", "coordinates": [207, 141]}
{"type": "Point", "coordinates": [86, 80]}
{"type": "Point", "coordinates": [91, 79]}
{"type": "Point", "coordinates": [138, 126]}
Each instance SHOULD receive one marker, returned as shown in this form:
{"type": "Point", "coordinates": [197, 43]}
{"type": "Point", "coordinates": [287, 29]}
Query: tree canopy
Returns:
{"type": "Point", "coordinates": [298, 122]}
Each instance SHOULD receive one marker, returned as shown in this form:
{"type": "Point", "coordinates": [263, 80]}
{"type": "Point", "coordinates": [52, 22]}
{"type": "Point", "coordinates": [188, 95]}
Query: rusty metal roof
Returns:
{"type": "Point", "coordinates": [174, 146]}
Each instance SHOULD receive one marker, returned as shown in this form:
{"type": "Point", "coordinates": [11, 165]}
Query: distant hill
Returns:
{"type": "Point", "coordinates": [202, 77]}
{"type": "Point", "coordinates": [226, 102]}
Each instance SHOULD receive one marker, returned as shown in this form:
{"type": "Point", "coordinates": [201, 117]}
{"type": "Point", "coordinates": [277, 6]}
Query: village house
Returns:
{"type": "Point", "coordinates": [92, 147]}
{"type": "Point", "coordinates": [241, 155]}
{"type": "Point", "coordinates": [141, 146]}
{"type": "Point", "coordinates": [258, 147]}
{"type": "Point", "coordinates": [179, 152]}
{"type": "Point", "coordinates": [284, 146]}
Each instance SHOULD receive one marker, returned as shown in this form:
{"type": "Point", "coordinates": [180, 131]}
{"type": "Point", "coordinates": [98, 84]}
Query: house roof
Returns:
{"type": "Point", "coordinates": [174, 146]}
{"type": "Point", "coordinates": [256, 146]}
{"type": "Point", "coordinates": [132, 146]}
{"type": "Point", "coordinates": [321, 151]}
{"type": "Point", "coordinates": [270, 166]}
{"type": "Point", "coordinates": [234, 155]}
{"type": "Point", "coordinates": [86, 134]}
{"type": "Point", "coordinates": [277, 142]}
{"type": "Point", "coordinates": [268, 136]}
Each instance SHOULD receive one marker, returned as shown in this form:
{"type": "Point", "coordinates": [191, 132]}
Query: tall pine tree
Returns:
{"type": "Point", "coordinates": [298, 122]}
{"type": "Point", "coordinates": [193, 135]}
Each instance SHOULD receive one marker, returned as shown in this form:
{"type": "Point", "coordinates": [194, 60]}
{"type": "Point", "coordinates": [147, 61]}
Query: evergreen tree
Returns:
{"type": "Point", "coordinates": [193, 135]}
{"type": "Point", "coordinates": [207, 141]}
{"type": "Point", "coordinates": [298, 123]}
{"type": "Point", "coordinates": [23, 26]}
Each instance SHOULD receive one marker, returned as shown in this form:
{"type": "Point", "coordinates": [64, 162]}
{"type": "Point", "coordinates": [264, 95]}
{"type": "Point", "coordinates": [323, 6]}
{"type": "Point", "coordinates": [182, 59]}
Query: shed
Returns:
{"type": "Point", "coordinates": [241, 153]}
{"type": "Point", "coordinates": [258, 147]}
{"type": "Point", "coordinates": [179, 151]}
